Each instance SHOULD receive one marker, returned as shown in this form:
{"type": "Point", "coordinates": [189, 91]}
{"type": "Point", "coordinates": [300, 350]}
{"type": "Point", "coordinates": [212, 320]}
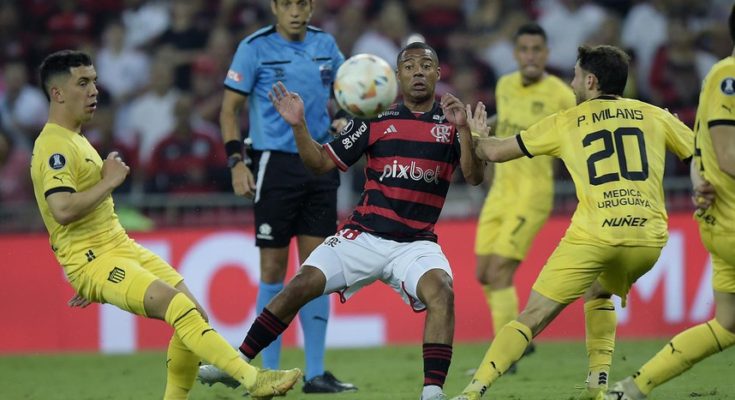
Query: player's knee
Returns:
{"type": "Point", "coordinates": [499, 272]}
{"type": "Point", "coordinates": [307, 285]}
{"type": "Point", "coordinates": [158, 296]}
{"type": "Point", "coordinates": [204, 314]}
{"type": "Point", "coordinates": [435, 291]}
{"type": "Point", "coordinates": [727, 322]}
{"type": "Point", "coordinates": [596, 291]}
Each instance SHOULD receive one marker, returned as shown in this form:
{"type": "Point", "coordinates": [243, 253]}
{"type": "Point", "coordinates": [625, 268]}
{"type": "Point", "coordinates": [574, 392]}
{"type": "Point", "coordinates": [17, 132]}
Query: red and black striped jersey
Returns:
{"type": "Point", "coordinates": [410, 161]}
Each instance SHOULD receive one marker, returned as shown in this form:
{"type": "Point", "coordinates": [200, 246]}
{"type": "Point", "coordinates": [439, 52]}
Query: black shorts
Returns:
{"type": "Point", "coordinates": [290, 200]}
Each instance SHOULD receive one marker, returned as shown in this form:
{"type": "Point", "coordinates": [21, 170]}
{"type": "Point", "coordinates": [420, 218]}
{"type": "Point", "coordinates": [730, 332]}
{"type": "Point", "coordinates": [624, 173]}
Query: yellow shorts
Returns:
{"type": "Point", "coordinates": [121, 274]}
{"type": "Point", "coordinates": [507, 229]}
{"type": "Point", "coordinates": [722, 248]}
{"type": "Point", "coordinates": [573, 267]}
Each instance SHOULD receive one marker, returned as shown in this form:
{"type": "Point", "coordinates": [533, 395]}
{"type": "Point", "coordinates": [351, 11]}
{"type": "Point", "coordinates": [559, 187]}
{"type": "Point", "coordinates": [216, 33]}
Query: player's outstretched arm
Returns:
{"type": "Point", "coordinates": [498, 150]}
{"type": "Point", "coordinates": [69, 207]}
{"type": "Point", "coordinates": [472, 167]}
{"type": "Point", "coordinates": [291, 108]}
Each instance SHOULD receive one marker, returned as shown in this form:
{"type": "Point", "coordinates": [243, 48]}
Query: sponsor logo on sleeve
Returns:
{"type": "Point", "coordinates": [234, 76]}
{"type": "Point", "coordinates": [350, 138]}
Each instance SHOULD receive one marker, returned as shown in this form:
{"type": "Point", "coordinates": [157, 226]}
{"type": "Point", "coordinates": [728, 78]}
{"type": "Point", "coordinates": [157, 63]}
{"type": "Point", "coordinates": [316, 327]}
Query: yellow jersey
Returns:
{"type": "Point", "coordinates": [527, 180]}
{"type": "Point", "coordinates": [614, 150]}
{"type": "Point", "coordinates": [64, 161]}
{"type": "Point", "coordinates": [716, 107]}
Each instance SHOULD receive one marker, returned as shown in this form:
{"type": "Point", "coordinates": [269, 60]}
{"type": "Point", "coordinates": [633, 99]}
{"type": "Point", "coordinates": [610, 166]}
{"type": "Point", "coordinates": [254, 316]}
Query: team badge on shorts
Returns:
{"type": "Point", "coordinates": [728, 86]}
{"type": "Point", "coordinates": [265, 232]}
{"type": "Point", "coordinates": [57, 161]}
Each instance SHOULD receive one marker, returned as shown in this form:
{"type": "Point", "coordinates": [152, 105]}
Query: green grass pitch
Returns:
{"type": "Point", "coordinates": [381, 373]}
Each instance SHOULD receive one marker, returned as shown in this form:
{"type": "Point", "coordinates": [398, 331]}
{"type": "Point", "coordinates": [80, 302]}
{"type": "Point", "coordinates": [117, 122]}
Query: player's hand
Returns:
{"type": "Point", "coordinates": [114, 169]}
{"type": "Point", "coordinates": [478, 120]}
{"type": "Point", "coordinates": [704, 195]}
{"type": "Point", "coordinates": [243, 182]}
{"type": "Point", "coordinates": [288, 104]}
{"type": "Point", "coordinates": [454, 110]}
{"type": "Point", "coordinates": [78, 301]}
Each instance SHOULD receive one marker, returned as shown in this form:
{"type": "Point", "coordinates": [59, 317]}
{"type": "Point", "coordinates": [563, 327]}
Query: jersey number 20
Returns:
{"type": "Point", "coordinates": [613, 144]}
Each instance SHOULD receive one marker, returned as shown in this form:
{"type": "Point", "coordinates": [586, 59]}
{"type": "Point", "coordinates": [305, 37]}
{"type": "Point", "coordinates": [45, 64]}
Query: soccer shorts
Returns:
{"type": "Point", "coordinates": [573, 267]}
{"type": "Point", "coordinates": [290, 200]}
{"type": "Point", "coordinates": [721, 246]}
{"type": "Point", "coordinates": [351, 260]}
{"type": "Point", "coordinates": [120, 274]}
{"type": "Point", "coordinates": [507, 229]}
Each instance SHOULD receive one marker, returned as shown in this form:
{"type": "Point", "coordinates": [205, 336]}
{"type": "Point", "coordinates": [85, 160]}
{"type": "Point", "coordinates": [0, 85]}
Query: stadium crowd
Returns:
{"type": "Point", "coordinates": [161, 64]}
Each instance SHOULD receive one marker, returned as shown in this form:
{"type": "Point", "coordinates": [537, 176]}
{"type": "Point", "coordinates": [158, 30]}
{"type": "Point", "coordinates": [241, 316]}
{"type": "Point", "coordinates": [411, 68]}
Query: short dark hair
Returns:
{"type": "Point", "coordinates": [60, 63]}
{"type": "Point", "coordinates": [608, 63]}
{"type": "Point", "coordinates": [530, 28]}
{"type": "Point", "coordinates": [417, 45]}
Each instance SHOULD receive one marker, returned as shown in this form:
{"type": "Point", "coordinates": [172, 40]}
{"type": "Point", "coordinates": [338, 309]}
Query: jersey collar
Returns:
{"type": "Point", "coordinates": [403, 111]}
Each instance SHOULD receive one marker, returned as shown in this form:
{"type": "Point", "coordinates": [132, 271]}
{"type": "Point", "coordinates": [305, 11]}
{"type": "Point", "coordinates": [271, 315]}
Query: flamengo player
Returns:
{"type": "Point", "coordinates": [412, 150]}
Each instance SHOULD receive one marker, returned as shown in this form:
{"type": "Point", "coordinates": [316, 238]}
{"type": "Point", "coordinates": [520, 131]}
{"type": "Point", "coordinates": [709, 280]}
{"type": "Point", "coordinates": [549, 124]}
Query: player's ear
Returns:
{"type": "Point", "coordinates": [56, 94]}
{"type": "Point", "coordinates": [438, 73]}
{"type": "Point", "coordinates": [591, 82]}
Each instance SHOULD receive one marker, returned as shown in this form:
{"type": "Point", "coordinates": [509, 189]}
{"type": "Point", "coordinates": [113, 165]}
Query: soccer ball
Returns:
{"type": "Point", "coordinates": [365, 86]}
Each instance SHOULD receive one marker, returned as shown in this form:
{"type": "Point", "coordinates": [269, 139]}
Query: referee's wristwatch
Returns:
{"type": "Point", "coordinates": [233, 160]}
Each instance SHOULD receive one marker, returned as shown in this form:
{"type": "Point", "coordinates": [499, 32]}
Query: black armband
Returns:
{"type": "Point", "coordinates": [233, 147]}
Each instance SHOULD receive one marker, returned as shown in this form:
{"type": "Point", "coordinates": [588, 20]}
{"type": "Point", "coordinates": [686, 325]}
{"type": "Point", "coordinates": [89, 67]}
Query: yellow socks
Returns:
{"type": "Point", "coordinates": [507, 348]}
{"type": "Point", "coordinates": [684, 350]}
{"type": "Point", "coordinates": [600, 324]}
{"type": "Point", "coordinates": [205, 342]}
{"type": "Point", "coordinates": [503, 305]}
{"type": "Point", "coordinates": [181, 370]}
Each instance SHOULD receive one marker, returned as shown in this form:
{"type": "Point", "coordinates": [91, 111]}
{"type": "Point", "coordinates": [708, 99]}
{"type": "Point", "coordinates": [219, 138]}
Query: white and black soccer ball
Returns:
{"type": "Point", "coordinates": [365, 86]}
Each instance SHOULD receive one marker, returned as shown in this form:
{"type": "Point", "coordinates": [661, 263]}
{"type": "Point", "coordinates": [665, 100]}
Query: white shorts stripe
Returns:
{"type": "Point", "coordinates": [261, 173]}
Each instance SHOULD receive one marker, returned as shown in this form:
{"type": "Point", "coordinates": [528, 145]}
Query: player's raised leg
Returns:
{"type": "Point", "coordinates": [307, 285]}
{"type": "Point", "coordinates": [166, 303]}
{"type": "Point", "coordinates": [511, 342]}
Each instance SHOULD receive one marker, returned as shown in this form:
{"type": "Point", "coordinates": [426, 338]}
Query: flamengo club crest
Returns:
{"type": "Point", "coordinates": [441, 133]}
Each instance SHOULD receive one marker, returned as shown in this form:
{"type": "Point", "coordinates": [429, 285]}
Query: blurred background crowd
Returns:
{"type": "Point", "coordinates": [161, 64]}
